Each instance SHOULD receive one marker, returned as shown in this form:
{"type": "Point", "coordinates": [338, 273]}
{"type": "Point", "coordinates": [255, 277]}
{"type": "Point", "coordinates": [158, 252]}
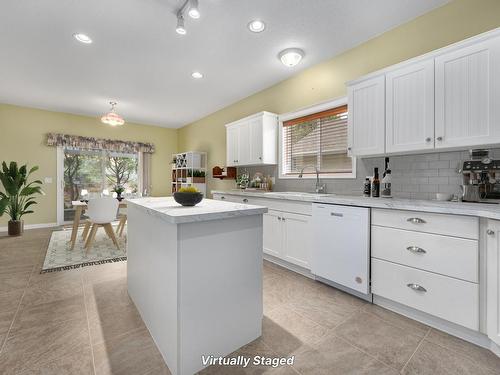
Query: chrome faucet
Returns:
{"type": "Point", "coordinates": [320, 188]}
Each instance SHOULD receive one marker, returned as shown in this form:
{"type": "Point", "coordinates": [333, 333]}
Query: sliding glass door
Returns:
{"type": "Point", "coordinates": [86, 174]}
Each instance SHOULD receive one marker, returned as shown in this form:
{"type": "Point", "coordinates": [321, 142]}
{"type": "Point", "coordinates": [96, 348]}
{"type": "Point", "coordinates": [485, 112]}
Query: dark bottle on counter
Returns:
{"type": "Point", "coordinates": [376, 184]}
{"type": "Point", "coordinates": [367, 189]}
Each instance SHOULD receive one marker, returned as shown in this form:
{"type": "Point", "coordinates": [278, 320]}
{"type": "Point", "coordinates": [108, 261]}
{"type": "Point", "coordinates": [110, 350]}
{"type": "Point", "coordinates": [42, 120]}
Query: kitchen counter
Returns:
{"type": "Point", "coordinates": [489, 211]}
{"type": "Point", "coordinates": [166, 208]}
{"type": "Point", "coordinates": [195, 275]}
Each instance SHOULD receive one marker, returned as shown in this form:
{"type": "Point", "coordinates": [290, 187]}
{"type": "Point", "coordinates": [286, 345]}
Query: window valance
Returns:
{"type": "Point", "coordinates": [91, 143]}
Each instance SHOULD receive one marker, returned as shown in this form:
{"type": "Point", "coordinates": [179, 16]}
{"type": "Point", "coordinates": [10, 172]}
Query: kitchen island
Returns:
{"type": "Point", "coordinates": [195, 275]}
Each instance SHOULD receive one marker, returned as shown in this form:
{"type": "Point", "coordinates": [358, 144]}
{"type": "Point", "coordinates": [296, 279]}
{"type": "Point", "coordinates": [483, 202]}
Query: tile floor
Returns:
{"type": "Point", "coordinates": [83, 322]}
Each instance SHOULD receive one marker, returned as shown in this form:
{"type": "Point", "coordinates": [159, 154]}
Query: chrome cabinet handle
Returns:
{"type": "Point", "coordinates": [336, 214]}
{"type": "Point", "coordinates": [416, 287]}
{"type": "Point", "coordinates": [416, 220]}
{"type": "Point", "coordinates": [416, 250]}
{"type": "Point", "coordinates": [439, 139]}
{"type": "Point", "coordinates": [245, 200]}
{"type": "Point", "coordinates": [490, 232]}
{"type": "Point", "coordinates": [428, 139]}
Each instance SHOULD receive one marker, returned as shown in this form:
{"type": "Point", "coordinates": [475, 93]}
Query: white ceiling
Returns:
{"type": "Point", "coordinates": [139, 60]}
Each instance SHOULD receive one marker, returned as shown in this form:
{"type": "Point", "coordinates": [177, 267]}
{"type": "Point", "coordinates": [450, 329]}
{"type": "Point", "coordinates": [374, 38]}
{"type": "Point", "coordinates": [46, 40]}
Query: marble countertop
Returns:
{"type": "Point", "coordinates": [168, 209]}
{"type": "Point", "coordinates": [490, 211]}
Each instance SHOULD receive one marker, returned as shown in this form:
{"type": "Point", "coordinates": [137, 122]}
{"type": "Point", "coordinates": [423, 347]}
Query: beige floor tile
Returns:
{"type": "Point", "coordinates": [32, 316]}
{"type": "Point", "coordinates": [281, 290]}
{"type": "Point", "coordinates": [284, 331]}
{"type": "Point", "coordinates": [10, 300]}
{"type": "Point", "coordinates": [110, 324]}
{"type": "Point", "coordinates": [134, 353]}
{"type": "Point", "coordinates": [30, 348]}
{"type": "Point", "coordinates": [10, 281]}
{"type": "Point", "coordinates": [339, 296]}
{"type": "Point", "coordinates": [389, 344]}
{"type": "Point", "coordinates": [334, 356]}
{"type": "Point", "coordinates": [104, 272]}
{"type": "Point", "coordinates": [326, 309]}
{"type": "Point", "coordinates": [432, 359]}
{"type": "Point", "coordinates": [77, 363]}
{"type": "Point", "coordinates": [49, 279]}
{"type": "Point", "coordinates": [409, 325]}
{"type": "Point", "coordinates": [107, 295]}
{"type": "Point", "coordinates": [41, 293]}
{"type": "Point", "coordinates": [480, 356]}
{"type": "Point", "coordinates": [6, 318]}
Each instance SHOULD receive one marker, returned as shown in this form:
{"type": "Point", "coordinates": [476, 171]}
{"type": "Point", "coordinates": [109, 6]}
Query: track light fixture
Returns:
{"type": "Point", "coordinates": [180, 29]}
{"type": "Point", "coordinates": [193, 11]}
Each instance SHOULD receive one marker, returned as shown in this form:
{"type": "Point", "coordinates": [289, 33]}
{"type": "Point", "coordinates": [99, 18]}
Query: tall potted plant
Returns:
{"type": "Point", "coordinates": [18, 195]}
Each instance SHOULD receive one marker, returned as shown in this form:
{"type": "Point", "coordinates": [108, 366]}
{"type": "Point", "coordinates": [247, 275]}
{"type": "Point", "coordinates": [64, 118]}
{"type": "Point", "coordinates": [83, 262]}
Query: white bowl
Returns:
{"type": "Point", "coordinates": [443, 196]}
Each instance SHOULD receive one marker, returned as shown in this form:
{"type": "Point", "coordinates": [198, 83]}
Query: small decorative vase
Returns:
{"type": "Point", "coordinates": [119, 197]}
{"type": "Point", "coordinates": [15, 227]}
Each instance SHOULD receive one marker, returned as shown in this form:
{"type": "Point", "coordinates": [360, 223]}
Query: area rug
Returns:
{"type": "Point", "coordinates": [60, 257]}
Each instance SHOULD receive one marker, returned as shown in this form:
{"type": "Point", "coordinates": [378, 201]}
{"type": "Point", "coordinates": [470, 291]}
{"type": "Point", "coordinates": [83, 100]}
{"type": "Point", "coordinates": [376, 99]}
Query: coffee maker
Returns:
{"type": "Point", "coordinates": [481, 178]}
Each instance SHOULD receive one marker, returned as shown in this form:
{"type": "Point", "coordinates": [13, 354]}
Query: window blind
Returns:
{"type": "Point", "coordinates": [319, 139]}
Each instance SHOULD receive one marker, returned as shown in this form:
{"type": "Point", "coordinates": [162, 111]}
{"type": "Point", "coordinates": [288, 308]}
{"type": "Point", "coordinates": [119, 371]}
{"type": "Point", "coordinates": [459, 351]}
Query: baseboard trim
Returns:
{"type": "Point", "coordinates": [33, 226]}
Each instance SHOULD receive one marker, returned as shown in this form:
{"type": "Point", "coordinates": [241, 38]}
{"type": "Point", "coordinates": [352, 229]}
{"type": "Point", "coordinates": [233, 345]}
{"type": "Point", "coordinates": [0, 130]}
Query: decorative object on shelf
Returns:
{"type": "Point", "coordinates": [243, 180]}
{"type": "Point", "coordinates": [119, 189]}
{"type": "Point", "coordinates": [112, 118]}
{"type": "Point", "coordinates": [189, 170]}
{"type": "Point", "coordinates": [224, 172]}
{"type": "Point", "coordinates": [188, 196]}
{"type": "Point", "coordinates": [19, 194]}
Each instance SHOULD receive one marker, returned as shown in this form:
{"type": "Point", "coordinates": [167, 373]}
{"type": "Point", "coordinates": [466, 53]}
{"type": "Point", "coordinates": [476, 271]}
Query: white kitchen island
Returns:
{"type": "Point", "coordinates": [195, 275]}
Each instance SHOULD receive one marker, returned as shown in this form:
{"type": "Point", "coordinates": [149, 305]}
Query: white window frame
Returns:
{"type": "Point", "coordinates": [320, 107]}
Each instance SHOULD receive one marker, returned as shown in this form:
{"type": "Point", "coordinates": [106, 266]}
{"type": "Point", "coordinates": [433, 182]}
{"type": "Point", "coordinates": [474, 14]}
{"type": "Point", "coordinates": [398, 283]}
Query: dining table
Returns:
{"type": "Point", "coordinates": [80, 207]}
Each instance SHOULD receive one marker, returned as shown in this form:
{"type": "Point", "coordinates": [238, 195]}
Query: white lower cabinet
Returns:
{"type": "Point", "coordinates": [448, 298]}
{"type": "Point", "coordinates": [287, 237]}
{"type": "Point", "coordinates": [493, 280]}
{"type": "Point", "coordinates": [287, 227]}
{"type": "Point", "coordinates": [272, 233]}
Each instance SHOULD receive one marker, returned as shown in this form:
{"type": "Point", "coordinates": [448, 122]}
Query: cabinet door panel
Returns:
{"type": "Point", "coordinates": [493, 280]}
{"type": "Point", "coordinates": [256, 141]}
{"type": "Point", "coordinates": [272, 233]}
{"type": "Point", "coordinates": [467, 96]}
{"type": "Point", "coordinates": [410, 108]}
{"type": "Point", "coordinates": [244, 157]}
{"type": "Point", "coordinates": [366, 120]}
{"type": "Point", "coordinates": [297, 239]}
{"type": "Point", "coordinates": [232, 135]}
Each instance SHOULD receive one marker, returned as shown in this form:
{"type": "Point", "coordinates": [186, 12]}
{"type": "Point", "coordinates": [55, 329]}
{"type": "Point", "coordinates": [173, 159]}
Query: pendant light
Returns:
{"type": "Point", "coordinates": [112, 118]}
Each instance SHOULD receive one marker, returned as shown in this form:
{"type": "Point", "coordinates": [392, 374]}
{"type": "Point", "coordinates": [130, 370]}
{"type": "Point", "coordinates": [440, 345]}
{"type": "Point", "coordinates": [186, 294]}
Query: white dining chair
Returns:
{"type": "Point", "coordinates": [101, 212]}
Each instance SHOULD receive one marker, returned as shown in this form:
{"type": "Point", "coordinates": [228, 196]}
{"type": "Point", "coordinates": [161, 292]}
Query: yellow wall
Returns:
{"type": "Point", "coordinates": [453, 22]}
{"type": "Point", "coordinates": [22, 137]}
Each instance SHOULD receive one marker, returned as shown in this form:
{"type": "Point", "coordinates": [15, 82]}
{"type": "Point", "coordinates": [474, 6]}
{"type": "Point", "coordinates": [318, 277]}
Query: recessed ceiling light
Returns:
{"type": "Point", "coordinates": [291, 56]}
{"type": "Point", "coordinates": [256, 26]}
{"type": "Point", "coordinates": [196, 75]}
{"type": "Point", "coordinates": [194, 12]}
{"type": "Point", "coordinates": [82, 38]}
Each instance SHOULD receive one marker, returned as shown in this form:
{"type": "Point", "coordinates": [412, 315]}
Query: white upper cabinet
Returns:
{"type": "Point", "coordinates": [252, 140]}
{"type": "Point", "coordinates": [468, 96]}
{"type": "Point", "coordinates": [410, 107]}
{"type": "Point", "coordinates": [366, 118]}
{"type": "Point", "coordinates": [446, 99]}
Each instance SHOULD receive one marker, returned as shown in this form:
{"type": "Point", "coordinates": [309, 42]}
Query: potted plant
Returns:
{"type": "Point", "coordinates": [18, 195]}
{"type": "Point", "coordinates": [119, 189]}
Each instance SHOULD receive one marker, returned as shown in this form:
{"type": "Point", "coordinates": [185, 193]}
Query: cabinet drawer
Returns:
{"type": "Point", "coordinates": [449, 256]}
{"type": "Point", "coordinates": [450, 225]}
{"type": "Point", "coordinates": [454, 300]}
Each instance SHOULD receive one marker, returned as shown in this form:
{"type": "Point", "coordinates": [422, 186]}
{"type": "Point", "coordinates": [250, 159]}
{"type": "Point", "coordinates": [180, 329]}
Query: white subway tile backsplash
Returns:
{"type": "Point", "coordinates": [418, 176]}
